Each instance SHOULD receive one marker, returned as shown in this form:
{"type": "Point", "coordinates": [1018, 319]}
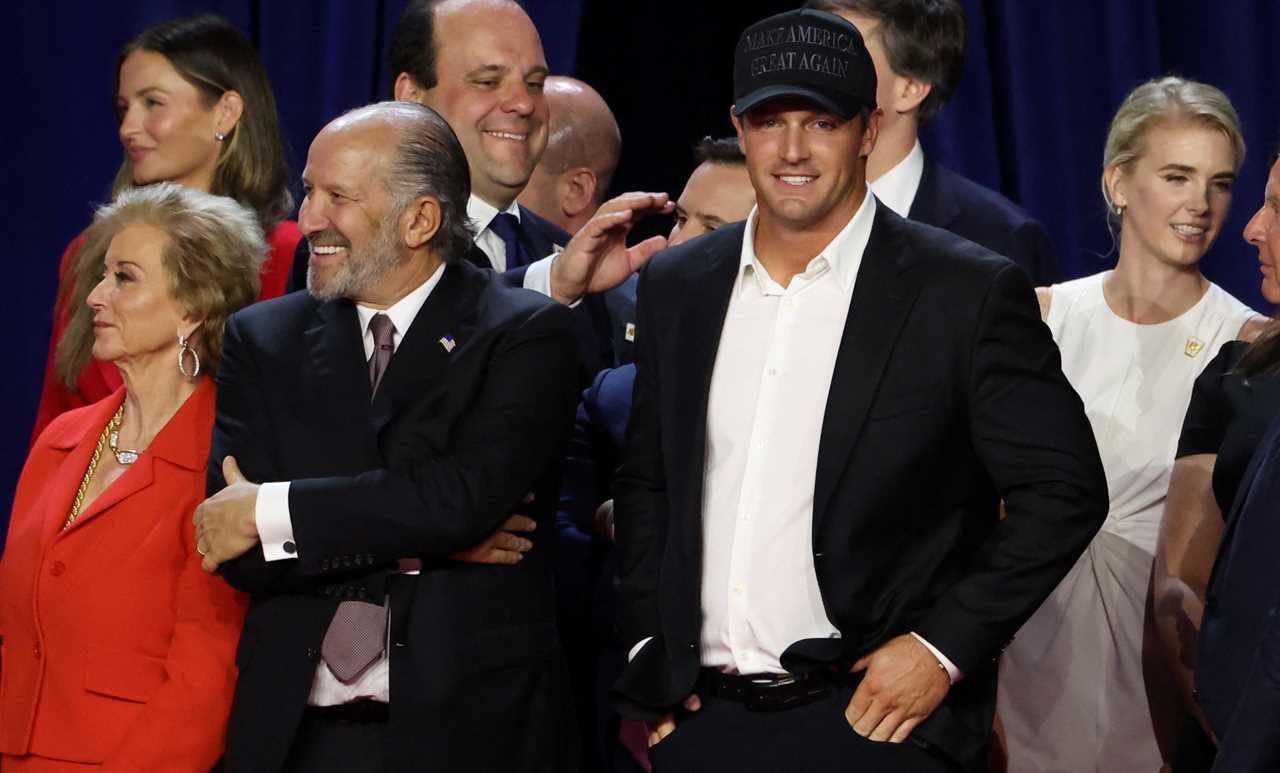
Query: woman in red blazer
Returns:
{"type": "Point", "coordinates": [196, 108]}
{"type": "Point", "coordinates": [118, 651]}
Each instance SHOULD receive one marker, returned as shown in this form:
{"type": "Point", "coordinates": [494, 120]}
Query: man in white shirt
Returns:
{"type": "Point", "coordinates": [918, 48]}
{"type": "Point", "coordinates": [830, 404]}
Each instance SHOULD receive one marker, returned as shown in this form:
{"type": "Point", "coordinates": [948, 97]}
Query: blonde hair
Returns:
{"type": "Point", "coordinates": [1167, 99]}
{"type": "Point", "coordinates": [213, 255]}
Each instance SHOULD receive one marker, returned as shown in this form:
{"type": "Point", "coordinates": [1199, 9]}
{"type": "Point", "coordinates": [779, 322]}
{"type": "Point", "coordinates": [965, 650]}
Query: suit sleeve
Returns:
{"type": "Point", "coordinates": [1251, 743]}
{"type": "Point", "coordinates": [640, 493]}
{"type": "Point", "coordinates": [185, 719]}
{"type": "Point", "coordinates": [1029, 430]}
{"type": "Point", "coordinates": [432, 507]}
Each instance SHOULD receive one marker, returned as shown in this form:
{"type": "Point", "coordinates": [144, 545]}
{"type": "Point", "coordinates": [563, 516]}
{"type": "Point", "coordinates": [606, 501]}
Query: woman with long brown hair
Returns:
{"type": "Point", "coordinates": [194, 107]}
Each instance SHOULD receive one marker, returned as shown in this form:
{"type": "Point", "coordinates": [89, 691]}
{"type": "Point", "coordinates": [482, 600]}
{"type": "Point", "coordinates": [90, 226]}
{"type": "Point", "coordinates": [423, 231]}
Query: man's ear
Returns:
{"type": "Point", "coordinates": [737, 126]}
{"type": "Point", "coordinates": [420, 222]}
{"type": "Point", "coordinates": [577, 190]}
{"type": "Point", "coordinates": [909, 93]}
{"type": "Point", "coordinates": [870, 132]}
{"type": "Point", "coordinates": [407, 89]}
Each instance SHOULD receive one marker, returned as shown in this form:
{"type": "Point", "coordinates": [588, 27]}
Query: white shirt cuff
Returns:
{"type": "Point", "coordinates": [275, 526]}
{"type": "Point", "coordinates": [538, 277]}
{"type": "Point", "coordinates": [638, 646]}
{"type": "Point", "coordinates": [953, 673]}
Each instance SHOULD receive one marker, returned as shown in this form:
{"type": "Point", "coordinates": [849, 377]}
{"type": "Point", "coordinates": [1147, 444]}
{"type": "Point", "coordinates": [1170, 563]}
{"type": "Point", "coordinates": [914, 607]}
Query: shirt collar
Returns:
{"type": "Point", "coordinates": [481, 212]}
{"type": "Point", "coordinates": [897, 187]}
{"type": "Point", "coordinates": [843, 254]}
{"type": "Point", "coordinates": [403, 311]}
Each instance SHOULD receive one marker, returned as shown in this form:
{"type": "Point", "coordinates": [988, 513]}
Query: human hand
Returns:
{"type": "Point", "coordinates": [602, 523]}
{"type": "Point", "coordinates": [504, 546]}
{"type": "Point", "coordinates": [226, 524]}
{"type": "Point", "coordinates": [903, 685]}
{"type": "Point", "coordinates": [666, 724]}
{"type": "Point", "coordinates": [598, 258]}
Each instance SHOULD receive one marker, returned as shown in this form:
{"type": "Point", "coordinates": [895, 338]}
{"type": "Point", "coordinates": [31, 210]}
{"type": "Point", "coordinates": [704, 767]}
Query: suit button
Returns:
{"type": "Point", "coordinates": [57, 568]}
{"type": "Point", "coordinates": [346, 562]}
{"type": "Point", "coordinates": [36, 651]}
{"type": "Point", "coordinates": [313, 654]}
{"type": "Point", "coordinates": [324, 564]}
{"type": "Point", "coordinates": [359, 561]}
{"type": "Point", "coordinates": [289, 547]}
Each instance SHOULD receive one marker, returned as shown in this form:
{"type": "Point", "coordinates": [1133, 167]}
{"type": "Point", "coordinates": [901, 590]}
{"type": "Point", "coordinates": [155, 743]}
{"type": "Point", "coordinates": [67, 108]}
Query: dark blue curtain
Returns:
{"type": "Point", "coordinates": [1041, 82]}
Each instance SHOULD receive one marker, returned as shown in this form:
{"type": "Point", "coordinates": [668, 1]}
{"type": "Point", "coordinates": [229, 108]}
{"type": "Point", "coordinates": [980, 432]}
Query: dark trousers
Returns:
{"type": "Point", "coordinates": [325, 745]}
{"type": "Point", "coordinates": [725, 735]}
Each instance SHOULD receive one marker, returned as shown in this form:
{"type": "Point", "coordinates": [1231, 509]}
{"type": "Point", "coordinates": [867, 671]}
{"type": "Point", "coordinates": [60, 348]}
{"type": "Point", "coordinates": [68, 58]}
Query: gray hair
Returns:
{"type": "Point", "coordinates": [1167, 99]}
{"type": "Point", "coordinates": [213, 257]}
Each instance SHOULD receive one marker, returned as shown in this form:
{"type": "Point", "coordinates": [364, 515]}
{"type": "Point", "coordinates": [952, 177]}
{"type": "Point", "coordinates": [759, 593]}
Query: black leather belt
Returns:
{"type": "Point", "coordinates": [767, 692]}
{"type": "Point", "coordinates": [361, 712]}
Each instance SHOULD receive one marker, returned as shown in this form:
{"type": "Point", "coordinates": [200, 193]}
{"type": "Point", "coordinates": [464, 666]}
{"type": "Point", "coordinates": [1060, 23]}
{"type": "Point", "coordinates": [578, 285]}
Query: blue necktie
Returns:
{"type": "Point", "coordinates": [507, 227]}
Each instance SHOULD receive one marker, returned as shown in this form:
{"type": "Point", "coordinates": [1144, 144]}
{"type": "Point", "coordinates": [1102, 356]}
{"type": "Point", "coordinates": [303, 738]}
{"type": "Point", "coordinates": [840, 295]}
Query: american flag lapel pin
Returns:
{"type": "Point", "coordinates": [448, 343]}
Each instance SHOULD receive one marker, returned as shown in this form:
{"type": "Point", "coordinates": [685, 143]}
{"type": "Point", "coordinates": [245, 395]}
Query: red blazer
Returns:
{"type": "Point", "coordinates": [117, 648]}
{"type": "Point", "coordinates": [100, 379]}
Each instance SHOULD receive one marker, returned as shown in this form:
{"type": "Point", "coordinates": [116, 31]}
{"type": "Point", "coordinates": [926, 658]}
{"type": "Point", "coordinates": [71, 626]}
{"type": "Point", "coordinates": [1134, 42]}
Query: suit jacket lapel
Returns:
{"type": "Point", "coordinates": [338, 381]}
{"type": "Point", "coordinates": [933, 205]}
{"type": "Point", "coordinates": [697, 341]}
{"type": "Point", "coordinates": [424, 351]}
{"type": "Point", "coordinates": [880, 304]}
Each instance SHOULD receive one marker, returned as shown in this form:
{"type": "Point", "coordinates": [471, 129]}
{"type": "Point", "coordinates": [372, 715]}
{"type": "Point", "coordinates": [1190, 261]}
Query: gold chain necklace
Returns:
{"type": "Point", "coordinates": [112, 427]}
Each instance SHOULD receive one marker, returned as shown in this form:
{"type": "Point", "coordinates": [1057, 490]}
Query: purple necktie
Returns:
{"type": "Point", "coordinates": [358, 630]}
{"type": "Point", "coordinates": [382, 328]}
{"type": "Point", "coordinates": [507, 227]}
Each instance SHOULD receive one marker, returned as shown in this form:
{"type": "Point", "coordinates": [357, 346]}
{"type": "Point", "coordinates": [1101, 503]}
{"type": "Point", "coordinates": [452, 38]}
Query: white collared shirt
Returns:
{"type": "Point", "coordinates": [538, 276]}
{"type": "Point", "coordinates": [897, 187]}
{"type": "Point", "coordinates": [275, 524]}
{"type": "Point", "coordinates": [767, 402]}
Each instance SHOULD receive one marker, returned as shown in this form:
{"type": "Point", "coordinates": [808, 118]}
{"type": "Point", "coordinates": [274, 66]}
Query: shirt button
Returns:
{"type": "Point", "coordinates": [737, 589]}
{"type": "Point", "coordinates": [57, 568]}
{"type": "Point", "coordinates": [746, 516]}
{"type": "Point", "coordinates": [36, 651]}
{"type": "Point", "coordinates": [759, 444]}
{"type": "Point", "coordinates": [773, 371]}
{"type": "Point", "coordinates": [289, 547]}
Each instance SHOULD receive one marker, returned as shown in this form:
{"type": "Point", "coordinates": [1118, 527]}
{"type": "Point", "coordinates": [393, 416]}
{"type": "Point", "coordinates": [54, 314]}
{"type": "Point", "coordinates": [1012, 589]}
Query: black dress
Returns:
{"type": "Point", "coordinates": [1228, 415]}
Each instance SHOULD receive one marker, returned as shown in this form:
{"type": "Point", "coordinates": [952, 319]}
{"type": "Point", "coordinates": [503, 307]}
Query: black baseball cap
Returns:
{"type": "Point", "coordinates": [806, 53]}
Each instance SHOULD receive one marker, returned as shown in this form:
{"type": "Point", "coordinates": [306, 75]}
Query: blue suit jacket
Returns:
{"type": "Point", "coordinates": [961, 206]}
{"type": "Point", "coordinates": [1238, 669]}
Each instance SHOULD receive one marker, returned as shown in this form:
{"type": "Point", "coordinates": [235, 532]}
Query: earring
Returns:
{"type": "Point", "coordinates": [219, 136]}
{"type": "Point", "coordinates": [187, 349]}
{"type": "Point", "coordinates": [1119, 210]}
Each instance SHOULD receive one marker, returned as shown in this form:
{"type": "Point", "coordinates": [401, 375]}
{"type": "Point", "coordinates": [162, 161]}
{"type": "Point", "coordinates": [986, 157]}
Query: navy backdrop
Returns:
{"type": "Point", "coordinates": [1041, 81]}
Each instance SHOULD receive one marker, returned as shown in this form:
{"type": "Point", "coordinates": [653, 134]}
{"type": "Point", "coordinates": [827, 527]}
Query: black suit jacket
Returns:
{"type": "Point", "coordinates": [1238, 668]}
{"type": "Point", "coordinates": [961, 206]}
{"type": "Point", "coordinates": [447, 448]}
{"type": "Point", "coordinates": [947, 395]}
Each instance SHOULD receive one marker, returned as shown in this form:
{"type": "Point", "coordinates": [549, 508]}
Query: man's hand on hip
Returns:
{"type": "Point", "coordinates": [666, 724]}
{"type": "Point", "coordinates": [903, 685]}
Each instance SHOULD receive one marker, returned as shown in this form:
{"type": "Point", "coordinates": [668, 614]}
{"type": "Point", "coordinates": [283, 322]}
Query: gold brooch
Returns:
{"type": "Point", "coordinates": [1193, 347]}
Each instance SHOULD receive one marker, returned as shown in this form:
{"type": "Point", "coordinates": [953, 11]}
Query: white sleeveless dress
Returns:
{"type": "Point", "coordinates": [1071, 693]}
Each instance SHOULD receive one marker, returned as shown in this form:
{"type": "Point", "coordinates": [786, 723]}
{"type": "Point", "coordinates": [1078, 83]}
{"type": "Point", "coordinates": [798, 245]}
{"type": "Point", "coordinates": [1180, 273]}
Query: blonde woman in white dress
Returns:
{"type": "Point", "coordinates": [1133, 339]}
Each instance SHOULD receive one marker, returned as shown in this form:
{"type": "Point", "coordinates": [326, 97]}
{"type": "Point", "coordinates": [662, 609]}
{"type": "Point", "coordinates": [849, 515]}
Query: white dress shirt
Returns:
{"type": "Point", "coordinates": [897, 187]}
{"type": "Point", "coordinates": [275, 524]}
{"type": "Point", "coordinates": [538, 276]}
{"type": "Point", "coordinates": [768, 397]}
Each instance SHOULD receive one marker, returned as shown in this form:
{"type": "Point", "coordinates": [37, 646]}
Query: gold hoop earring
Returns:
{"type": "Point", "coordinates": [182, 358]}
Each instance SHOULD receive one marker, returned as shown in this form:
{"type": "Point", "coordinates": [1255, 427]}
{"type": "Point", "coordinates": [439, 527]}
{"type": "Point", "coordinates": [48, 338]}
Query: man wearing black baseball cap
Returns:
{"type": "Point", "coordinates": [830, 404]}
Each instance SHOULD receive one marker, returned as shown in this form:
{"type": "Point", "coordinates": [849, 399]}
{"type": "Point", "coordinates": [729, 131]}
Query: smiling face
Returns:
{"type": "Point", "coordinates": [166, 128]}
{"type": "Point", "coordinates": [490, 72]}
{"type": "Point", "coordinates": [1175, 194]}
{"type": "Point", "coordinates": [715, 194]}
{"type": "Point", "coordinates": [1263, 232]}
{"type": "Point", "coordinates": [807, 165]}
{"type": "Point", "coordinates": [347, 213]}
{"type": "Point", "coordinates": [135, 315]}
